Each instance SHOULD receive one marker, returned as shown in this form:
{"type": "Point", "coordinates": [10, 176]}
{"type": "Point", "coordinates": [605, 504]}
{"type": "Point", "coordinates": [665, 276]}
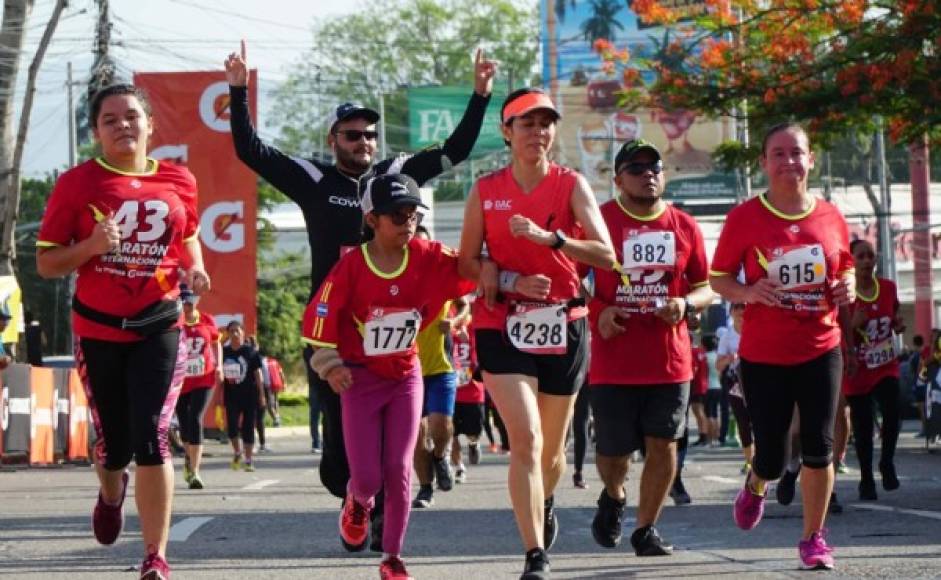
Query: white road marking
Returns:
{"type": "Point", "coordinates": [886, 508]}
{"type": "Point", "coordinates": [182, 530]}
{"type": "Point", "coordinates": [720, 479]}
{"type": "Point", "coordinates": [260, 484]}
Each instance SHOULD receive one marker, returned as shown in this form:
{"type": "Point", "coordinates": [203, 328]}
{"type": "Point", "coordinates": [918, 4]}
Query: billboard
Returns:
{"type": "Point", "coordinates": [594, 127]}
{"type": "Point", "coordinates": [434, 112]}
{"type": "Point", "coordinates": [191, 128]}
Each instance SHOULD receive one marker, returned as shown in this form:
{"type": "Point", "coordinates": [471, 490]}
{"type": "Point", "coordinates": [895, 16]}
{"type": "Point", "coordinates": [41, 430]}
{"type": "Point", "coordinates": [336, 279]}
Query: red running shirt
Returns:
{"type": "Point", "coordinates": [202, 337]}
{"type": "Point", "coordinates": [663, 256]}
{"type": "Point", "coordinates": [156, 212]}
{"type": "Point", "coordinates": [372, 318]}
{"type": "Point", "coordinates": [805, 253]}
{"type": "Point", "coordinates": [549, 206]}
{"type": "Point", "coordinates": [875, 341]}
{"type": "Point", "coordinates": [465, 359]}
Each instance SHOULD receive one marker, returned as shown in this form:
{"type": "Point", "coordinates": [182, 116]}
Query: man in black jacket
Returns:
{"type": "Point", "coordinates": [329, 197]}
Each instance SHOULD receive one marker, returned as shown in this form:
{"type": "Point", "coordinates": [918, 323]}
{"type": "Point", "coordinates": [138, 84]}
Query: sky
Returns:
{"type": "Point", "coordinates": [155, 36]}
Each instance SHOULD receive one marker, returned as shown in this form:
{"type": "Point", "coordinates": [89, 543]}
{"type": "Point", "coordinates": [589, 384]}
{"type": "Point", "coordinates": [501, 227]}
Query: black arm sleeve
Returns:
{"type": "Point", "coordinates": [432, 162]}
{"type": "Point", "coordinates": [292, 176]}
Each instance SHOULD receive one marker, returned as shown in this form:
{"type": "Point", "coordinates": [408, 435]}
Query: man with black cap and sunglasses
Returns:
{"type": "Point", "coordinates": [641, 361]}
{"type": "Point", "coordinates": [329, 197]}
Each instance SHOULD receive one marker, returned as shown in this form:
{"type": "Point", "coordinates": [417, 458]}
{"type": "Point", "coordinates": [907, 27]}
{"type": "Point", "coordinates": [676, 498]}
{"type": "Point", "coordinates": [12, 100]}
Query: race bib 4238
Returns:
{"type": "Point", "coordinates": [538, 329]}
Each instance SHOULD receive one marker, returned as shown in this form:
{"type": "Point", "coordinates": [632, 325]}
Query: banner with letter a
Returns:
{"type": "Point", "coordinates": [191, 128]}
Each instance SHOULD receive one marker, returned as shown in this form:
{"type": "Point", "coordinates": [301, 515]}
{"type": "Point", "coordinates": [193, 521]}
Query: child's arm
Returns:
{"type": "Point", "coordinates": [328, 365]}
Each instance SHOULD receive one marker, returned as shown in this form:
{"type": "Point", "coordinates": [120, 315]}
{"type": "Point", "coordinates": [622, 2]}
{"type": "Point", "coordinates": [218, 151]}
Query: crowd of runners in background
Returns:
{"type": "Point", "coordinates": [556, 320]}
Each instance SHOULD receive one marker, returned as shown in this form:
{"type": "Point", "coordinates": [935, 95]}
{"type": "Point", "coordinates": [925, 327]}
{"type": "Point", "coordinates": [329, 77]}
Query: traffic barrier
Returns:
{"type": "Point", "coordinates": [16, 410]}
{"type": "Point", "coordinates": [79, 433]}
{"type": "Point", "coordinates": [42, 416]}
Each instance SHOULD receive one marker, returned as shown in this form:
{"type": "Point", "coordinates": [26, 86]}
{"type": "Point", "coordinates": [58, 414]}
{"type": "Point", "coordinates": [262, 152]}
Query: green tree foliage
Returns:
{"type": "Point", "coordinates": [282, 296]}
{"type": "Point", "coordinates": [392, 44]}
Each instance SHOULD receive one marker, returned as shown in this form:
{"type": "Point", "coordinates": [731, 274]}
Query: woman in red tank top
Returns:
{"type": "Point", "coordinates": [538, 220]}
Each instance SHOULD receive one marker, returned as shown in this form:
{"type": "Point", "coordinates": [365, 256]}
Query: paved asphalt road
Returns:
{"type": "Point", "coordinates": [280, 523]}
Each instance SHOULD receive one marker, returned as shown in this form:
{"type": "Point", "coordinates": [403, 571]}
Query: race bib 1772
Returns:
{"type": "Point", "coordinates": [390, 331]}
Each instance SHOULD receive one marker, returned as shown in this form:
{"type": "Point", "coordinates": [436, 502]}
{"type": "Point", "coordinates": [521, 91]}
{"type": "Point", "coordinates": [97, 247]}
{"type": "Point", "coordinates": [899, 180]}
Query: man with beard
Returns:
{"type": "Point", "coordinates": [641, 360]}
{"type": "Point", "coordinates": [329, 197]}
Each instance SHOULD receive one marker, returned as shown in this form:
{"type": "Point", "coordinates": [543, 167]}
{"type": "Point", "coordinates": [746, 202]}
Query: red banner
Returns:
{"type": "Point", "coordinates": [191, 127]}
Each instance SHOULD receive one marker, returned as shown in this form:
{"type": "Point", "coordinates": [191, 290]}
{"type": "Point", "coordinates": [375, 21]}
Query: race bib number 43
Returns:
{"type": "Point", "coordinates": [798, 267]}
{"type": "Point", "coordinates": [649, 250]}
{"type": "Point", "coordinates": [538, 329]}
{"type": "Point", "coordinates": [390, 331]}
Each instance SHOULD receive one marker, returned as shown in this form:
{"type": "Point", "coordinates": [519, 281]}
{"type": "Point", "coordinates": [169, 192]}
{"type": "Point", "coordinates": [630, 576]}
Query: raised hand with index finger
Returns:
{"type": "Point", "coordinates": [236, 68]}
{"type": "Point", "coordinates": [484, 71]}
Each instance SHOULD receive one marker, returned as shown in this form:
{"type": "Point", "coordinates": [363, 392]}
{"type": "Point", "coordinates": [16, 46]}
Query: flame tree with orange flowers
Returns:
{"type": "Point", "coordinates": [837, 66]}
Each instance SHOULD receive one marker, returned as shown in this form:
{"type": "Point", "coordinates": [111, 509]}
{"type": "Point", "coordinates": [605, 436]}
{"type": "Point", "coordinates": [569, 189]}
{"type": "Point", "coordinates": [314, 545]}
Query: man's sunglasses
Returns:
{"type": "Point", "coordinates": [356, 134]}
{"type": "Point", "coordinates": [400, 218]}
{"type": "Point", "coordinates": [642, 168]}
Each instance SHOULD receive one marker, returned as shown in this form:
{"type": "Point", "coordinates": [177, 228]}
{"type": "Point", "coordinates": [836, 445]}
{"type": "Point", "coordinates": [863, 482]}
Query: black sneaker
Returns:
{"type": "Point", "coordinates": [647, 542]}
{"type": "Point", "coordinates": [867, 490]}
{"type": "Point", "coordinates": [835, 506]}
{"type": "Point", "coordinates": [787, 485]}
{"type": "Point", "coordinates": [424, 498]}
{"type": "Point", "coordinates": [606, 527]}
{"type": "Point", "coordinates": [550, 523]}
{"type": "Point", "coordinates": [473, 453]}
{"type": "Point", "coordinates": [678, 492]}
{"type": "Point", "coordinates": [890, 481]}
{"type": "Point", "coordinates": [375, 535]}
{"type": "Point", "coordinates": [443, 473]}
{"type": "Point", "coordinates": [537, 565]}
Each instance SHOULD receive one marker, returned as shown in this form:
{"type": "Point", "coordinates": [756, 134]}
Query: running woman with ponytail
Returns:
{"type": "Point", "coordinates": [538, 220]}
{"type": "Point", "coordinates": [203, 373]}
{"type": "Point", "coordinates": [873, 369]}
{"type": "Point", "coordinates": [128, 225]}
{"type": "Point", "coordinates": [794, 250]}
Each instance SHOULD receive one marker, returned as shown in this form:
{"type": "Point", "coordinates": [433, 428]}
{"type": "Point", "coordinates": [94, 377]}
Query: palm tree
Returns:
{"type": "Point", "coordinates": [560, 8]}
{"type": "Point", "coordinates": [603, 21]}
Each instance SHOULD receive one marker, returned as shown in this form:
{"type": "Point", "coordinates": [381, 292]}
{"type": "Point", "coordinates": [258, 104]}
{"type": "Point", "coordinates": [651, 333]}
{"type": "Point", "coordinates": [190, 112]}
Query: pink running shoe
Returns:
{"type": "Point", "coordinates": [815, 553]}
{"type": "Point", "coordinates": [393, 568]}
{"type": "Point", "coordinates": [155, 567]}
{"type": "Point", "coordinates": [749, 507]}
{"type": "Point", "coordinates": [107, 521]}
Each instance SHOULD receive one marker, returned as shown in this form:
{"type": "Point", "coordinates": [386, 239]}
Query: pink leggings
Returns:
{"type": "Point", "coordinates": [380, 428]}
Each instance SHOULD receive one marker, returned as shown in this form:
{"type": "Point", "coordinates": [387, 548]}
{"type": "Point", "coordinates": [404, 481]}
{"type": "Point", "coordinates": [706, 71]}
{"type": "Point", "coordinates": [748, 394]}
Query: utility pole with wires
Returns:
{"type": "Point", "coordinates": [103, 69]}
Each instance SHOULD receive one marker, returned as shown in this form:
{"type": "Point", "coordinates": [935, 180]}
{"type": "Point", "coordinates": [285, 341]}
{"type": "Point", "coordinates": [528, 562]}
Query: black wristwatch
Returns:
{"type": "Point", "coordinates": [560, 240]}
{"type": "Point", "coordinates": [689, 309]}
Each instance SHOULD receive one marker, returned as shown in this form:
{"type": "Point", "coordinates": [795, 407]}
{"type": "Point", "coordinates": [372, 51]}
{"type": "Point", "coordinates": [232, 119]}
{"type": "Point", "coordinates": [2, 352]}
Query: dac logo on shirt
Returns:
{"type": "Point", "coordinates": [219, 229]}
{"type": "Point", "coordinates": [498, 205]}
{"type": "Point", "coordinates": [214, 107]}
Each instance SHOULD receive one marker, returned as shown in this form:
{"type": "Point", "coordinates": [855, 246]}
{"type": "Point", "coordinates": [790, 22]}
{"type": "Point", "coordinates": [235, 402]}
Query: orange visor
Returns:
{"type": "Point", "coordinates": [526, 103]}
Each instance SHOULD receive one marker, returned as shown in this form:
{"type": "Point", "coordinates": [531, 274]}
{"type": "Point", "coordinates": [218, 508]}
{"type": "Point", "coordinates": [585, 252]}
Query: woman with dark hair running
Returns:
{"type": "Point", "coordinates": [794, 250]}
{"type": "Point", "coordinates": [128, 224]}
{"type": "Point", "coordinates": [538, 220]}
{"type": "Point", "coordinates": [873, 369]}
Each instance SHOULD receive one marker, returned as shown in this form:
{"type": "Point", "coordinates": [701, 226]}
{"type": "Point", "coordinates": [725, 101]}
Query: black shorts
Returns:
{"type": "Point", "coordinates": [132, 389]}
{"type": "Point", "coordinates": [772, 391]}
{"type": "Point", "coordinates": [697, 398]}
{"type": "Point", "coordinates": [713, 400]}
{"type": "Point", "coordinates": [625, 414]}
{"type": "Point", "coordinates": [468, 419]}
{"type": "Point", "coordinates": [555, 374]}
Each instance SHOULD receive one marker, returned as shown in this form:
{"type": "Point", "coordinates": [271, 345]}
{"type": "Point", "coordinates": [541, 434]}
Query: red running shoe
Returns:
{"type": "Point", "coordinates": [107, 521]}
{"type": "Point", "coordinates": [155, 567]}
{"type": "Point", "coordinates": [393, 569]}
{"type": "Point", "coordinates": [354, 525]}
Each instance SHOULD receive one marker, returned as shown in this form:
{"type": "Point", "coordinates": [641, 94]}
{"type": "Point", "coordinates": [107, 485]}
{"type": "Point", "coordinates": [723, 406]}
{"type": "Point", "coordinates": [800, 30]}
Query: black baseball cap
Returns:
{"type": "Point", "coordinates": [351, 111]}
{"type": "Point", "coordinates": [389, 191]}
{"type": "Point", "coordinates": [632, 148]}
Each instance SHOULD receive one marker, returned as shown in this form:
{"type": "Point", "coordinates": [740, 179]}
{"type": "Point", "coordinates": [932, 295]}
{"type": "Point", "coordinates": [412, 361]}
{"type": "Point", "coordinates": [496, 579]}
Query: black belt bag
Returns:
{"type": "Point", "coordinates": [157, 317]}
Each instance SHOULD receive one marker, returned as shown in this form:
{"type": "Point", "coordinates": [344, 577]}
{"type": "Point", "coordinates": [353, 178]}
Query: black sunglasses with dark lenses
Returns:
{"type": "Point", "coordinates": [400, 218]}
{"type": "Point", "coordinates": [636, 168]}
{"type": "Point", "coordinates": [356, 134]}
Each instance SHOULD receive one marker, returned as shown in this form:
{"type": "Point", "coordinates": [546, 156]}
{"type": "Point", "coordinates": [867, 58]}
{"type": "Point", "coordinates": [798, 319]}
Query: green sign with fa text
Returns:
{"type": "Point", "coordinates": [434, 112]}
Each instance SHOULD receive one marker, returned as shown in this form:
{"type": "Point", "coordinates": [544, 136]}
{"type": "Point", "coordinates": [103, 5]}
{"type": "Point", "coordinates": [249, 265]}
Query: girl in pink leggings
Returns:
{"type": "Point", "coordinates": [362, 324]}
